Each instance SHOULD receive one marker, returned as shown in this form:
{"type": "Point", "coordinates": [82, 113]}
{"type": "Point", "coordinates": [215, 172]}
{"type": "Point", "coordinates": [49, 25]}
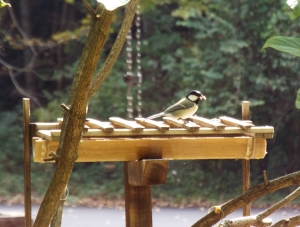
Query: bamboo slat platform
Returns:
{"type": "Point", "coordinates": [146, 146]}
{"type": "Point", "coordinates": [123, 140]}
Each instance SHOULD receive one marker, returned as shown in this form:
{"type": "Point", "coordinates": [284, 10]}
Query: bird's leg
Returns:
{"type": "Point", "coordinates": [185, 121]}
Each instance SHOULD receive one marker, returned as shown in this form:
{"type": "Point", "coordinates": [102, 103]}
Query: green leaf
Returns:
{"type": "Point", "coordinates": [298, 100]}
{"type": "Point", "coordinates": [285, 44]}
{"type": "Point", "coordinates": [2, 4]}
{"type": "Point", "coordinates": [297, 10]}
{"type": "Point", "coordinates": [294, 4]}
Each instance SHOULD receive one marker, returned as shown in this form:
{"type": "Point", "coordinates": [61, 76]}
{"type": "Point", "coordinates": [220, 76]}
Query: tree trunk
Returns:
{"type": "Point", "coordinates": [73, 123]}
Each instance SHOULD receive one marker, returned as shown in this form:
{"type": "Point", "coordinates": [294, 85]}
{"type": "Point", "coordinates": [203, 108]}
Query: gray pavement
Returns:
{"type": "Point", "coordinates": [162, 217]}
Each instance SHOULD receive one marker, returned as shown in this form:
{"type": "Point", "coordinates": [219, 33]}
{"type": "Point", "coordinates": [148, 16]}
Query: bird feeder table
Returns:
{"type": "Point", "coordinates": [146, 146]}
{"type": "Point", "coordinates": [123, 140]}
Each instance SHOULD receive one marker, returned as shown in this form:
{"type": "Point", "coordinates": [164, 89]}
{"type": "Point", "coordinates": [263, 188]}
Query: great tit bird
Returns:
{"type": "Point", "coordinates": [183, 109]}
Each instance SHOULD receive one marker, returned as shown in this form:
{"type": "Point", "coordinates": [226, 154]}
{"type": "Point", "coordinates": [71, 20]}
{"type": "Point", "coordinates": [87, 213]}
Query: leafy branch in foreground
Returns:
{"type": "Point", "coordinates": [3, 4]}
{"type": "Point", "coordinates": [285, 44]}
{"type": "Point", "coordinates": [290, 45]}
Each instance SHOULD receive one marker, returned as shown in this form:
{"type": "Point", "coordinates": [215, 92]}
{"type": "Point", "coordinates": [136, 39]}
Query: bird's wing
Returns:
{"type": "Point", "coordinates": [181, 105]}
{"type": "Point", "coordinates": [156, 115]}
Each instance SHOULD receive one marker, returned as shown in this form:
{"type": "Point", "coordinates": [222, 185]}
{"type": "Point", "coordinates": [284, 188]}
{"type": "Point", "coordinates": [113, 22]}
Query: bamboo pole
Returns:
{"type": "Point", "coordinates": [26, 159]}
{"type": "Point", "coordinates": [131, 149]}
{"type": "Point", "coordinates": [246, 162]}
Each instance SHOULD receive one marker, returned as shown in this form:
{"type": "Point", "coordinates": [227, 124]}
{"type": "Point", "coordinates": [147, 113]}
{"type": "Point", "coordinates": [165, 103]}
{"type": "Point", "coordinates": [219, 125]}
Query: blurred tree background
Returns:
{"type": "Point", "coordinates": [210, 45]}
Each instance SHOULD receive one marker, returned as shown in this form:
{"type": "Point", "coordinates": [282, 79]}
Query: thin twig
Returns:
{"type": "Point", "coordinates": [115, 50]}
{"type": "Point", "coordinates": [291, 222]}
{"type": "Point", "coordinates": [20, 89]}
{"type": "Point", "coordinates": [31, 63]}
{"type": "Point", "coordinates": [14, 71]}
{"type": "Point", "coordinates": [65, 107]}
{"type": "Point", "coordinates": [280, 204]}
{"type": "Point", "coordinates": [260, 219]}
{"type": "Point", "coordinates": [54, 157]}
{"type": "Point", "coordinates": [90, 9]}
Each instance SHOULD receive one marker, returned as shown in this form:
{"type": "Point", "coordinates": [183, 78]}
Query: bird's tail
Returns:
{"type": "Point", "coordinates": [156, 115]}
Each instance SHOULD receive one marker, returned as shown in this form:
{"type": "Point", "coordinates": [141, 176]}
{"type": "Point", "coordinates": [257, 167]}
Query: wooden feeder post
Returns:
{"type": "Point", "coordinates": [138, 178]}
{"type": "Point", "coordinates": [246, 162]}
{"type": "Point", "coordinates": [27, 165]}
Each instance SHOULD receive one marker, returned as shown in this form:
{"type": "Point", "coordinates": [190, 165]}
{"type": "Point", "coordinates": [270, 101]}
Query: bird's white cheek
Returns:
{"type": "Point", "coordinates": [193, 98]}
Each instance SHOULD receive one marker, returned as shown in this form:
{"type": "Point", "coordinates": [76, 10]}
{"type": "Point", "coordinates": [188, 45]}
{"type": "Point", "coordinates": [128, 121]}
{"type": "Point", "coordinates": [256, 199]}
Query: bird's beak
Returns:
{"type": "Point", "coordinates": [202, 97]}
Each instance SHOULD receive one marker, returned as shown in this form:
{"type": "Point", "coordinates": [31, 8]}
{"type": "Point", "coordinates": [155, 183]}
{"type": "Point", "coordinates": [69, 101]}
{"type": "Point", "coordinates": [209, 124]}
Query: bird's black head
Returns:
{"type": "Point", "coordinates": [195, 96]}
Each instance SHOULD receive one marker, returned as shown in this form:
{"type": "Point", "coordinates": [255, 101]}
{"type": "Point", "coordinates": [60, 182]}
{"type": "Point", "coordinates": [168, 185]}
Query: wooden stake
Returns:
{"type": "Point", "coordinates": [27, 164]}
{"type": "Point", "coordinates": [246, 163]}
{"type": "Point", "coordinates": [138, 205]}
{"type": "Point", "coordinates": [265, 177]}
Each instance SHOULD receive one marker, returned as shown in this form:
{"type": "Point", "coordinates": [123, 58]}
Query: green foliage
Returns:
{"type": "Point", "coordinates": [213, 46]}
{"type": "Point", "coordinates": [285, 44]}
{"type": "Point", "coordinates": [188, 178]}
{"type": "Point", "coordinates": [11, 141]}
{"type": "Point", "coordinates": [218, 52]}
{"type": "Point", "coordinates": [3, 4]}
{"type": "Point", "coordinates": [294, 4]}
{"type": "Point", "coordinates": [298, 99]}
{"type": "Point", "coordinates": [289, 45]}
{"type": "Point", "coordinates": [297, 10]}
{"type": "Point", "coordinates": [11, 157]}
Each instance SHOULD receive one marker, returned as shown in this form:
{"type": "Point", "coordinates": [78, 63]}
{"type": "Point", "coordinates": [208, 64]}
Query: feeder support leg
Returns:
{"type": "Point", "coordinates": [138, 178]}
{"type": "Point", "coordinates": [138, 205]}
{"type": "Point", "coordinates": [26, 160]}
{"type": "Point", "coordinates": [245, 162]}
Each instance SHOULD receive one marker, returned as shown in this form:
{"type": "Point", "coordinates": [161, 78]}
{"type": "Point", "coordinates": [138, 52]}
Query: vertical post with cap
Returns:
{"type": "Point", "coordinates": [27, 164]}
{"type": "Point", "coordinates": [139, 176]}
{"type": "Point", "coordinates": [246, 162]}
{"type": "Point", "coordinates": [138, 203]}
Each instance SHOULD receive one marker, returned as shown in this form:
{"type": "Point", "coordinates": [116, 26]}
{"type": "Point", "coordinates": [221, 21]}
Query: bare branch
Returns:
{"type": "Point", "coordinates": [116, 49]}
{"type": "Point", "coordinates": [291, 222]}
{"type": "Point", "coordinates": [20, 89]}
{"type": "Point", "coordinates": [90, 9]}
{"type": "Point", "coordinates": [15, 21]}
{"type": "Point", "coordinates": [247, 221]}
{"type": "Point", "coordinates": [28, 67]}
{"type": "Point", "coordinates": [65, 107]}
{"type": "Point", "coordinates": [249, 196]}
{"type": "Point", "coordinates": [260, 219]}
{"type": "Point", "coordinates": [280, 204]}
{"type": "Point", "coordinates": [14, 71]}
